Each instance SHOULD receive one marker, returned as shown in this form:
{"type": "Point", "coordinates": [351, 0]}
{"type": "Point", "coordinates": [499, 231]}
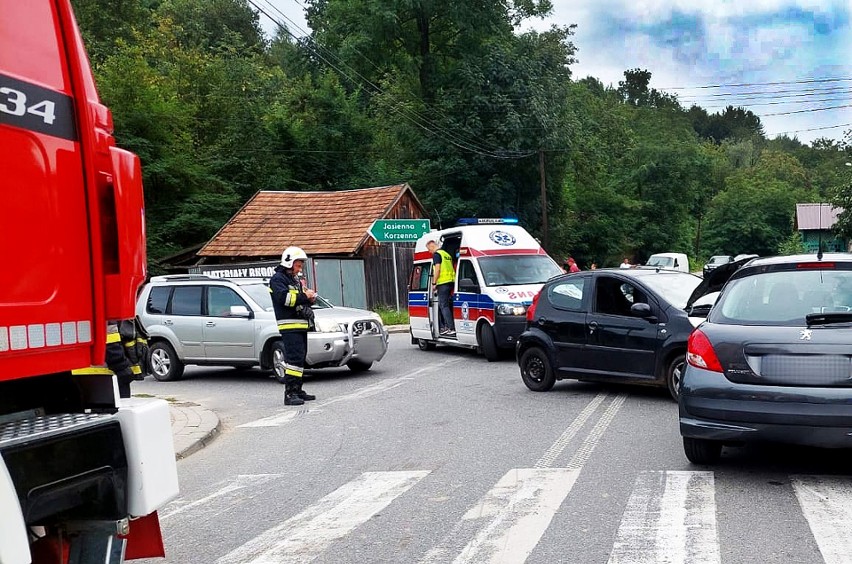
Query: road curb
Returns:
{"type": "Point", "coordinates": [397, 329]}
{"type": "Point", "coordinates": [193, 427]}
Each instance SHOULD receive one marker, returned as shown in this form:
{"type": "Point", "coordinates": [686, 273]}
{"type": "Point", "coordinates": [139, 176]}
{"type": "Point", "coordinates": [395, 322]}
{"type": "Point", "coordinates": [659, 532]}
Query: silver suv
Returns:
{"type": "Point", "coordinates": [195, 319]}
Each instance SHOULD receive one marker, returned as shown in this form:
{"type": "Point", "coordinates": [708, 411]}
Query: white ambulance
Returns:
{"type": "Point", "coordinates": [499, 270]}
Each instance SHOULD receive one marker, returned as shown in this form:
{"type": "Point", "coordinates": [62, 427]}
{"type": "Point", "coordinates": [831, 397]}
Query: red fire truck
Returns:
{"type": "Point", "coordinates": [82, 472]}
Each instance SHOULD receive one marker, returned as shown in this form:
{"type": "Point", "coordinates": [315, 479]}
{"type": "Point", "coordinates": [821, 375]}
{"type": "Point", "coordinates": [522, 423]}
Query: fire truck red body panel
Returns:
{"type": "Point", "coordinates": [71, 224]}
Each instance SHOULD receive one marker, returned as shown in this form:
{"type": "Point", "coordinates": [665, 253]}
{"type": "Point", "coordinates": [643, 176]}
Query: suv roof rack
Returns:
{"type": "Point", "coordinates": [173, 277]}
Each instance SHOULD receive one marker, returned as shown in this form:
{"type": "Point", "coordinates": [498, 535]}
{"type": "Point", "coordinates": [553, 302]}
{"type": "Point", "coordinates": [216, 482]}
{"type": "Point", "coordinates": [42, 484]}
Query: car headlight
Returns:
{"type": "Point", "coordinates": [511, 309]}
{"type": "Point", "coordinates": [327, 325]}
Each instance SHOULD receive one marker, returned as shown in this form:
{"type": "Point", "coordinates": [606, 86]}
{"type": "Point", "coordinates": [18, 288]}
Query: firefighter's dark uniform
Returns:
{"type": "Point", "coordinates": [289, 301]}
{"type": "Point", "coordinates": [126, 350]}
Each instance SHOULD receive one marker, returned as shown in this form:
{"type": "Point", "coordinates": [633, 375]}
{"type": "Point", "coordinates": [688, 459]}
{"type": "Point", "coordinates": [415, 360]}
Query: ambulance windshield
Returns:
{"type": "Point", "coordinates": [512, 270]}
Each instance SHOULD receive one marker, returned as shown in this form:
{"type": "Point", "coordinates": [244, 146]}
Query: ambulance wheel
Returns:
{"type": "Point", "coordinates": [164, 363]}
{"type": "Point", "coordinates": [487, 343]}
{"type": "Point", "coordinates": [425, 345]}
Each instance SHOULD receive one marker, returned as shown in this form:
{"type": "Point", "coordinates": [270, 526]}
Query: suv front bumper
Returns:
{"type": "Point", "coordinates": [338, 348]}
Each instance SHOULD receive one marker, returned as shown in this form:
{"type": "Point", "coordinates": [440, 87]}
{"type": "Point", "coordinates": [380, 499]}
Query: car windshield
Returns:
{"type": "Point", "coordinates": [674, 287]}
{"type": "Point", "coordinates": [719, 260]}
{"type": "Point", "coordinates": [518, 269]}
{"type": "Point", "coordinates": [260, 294]}
{"type": "Point", "coordinates": [784, 298]}
{"type": "Point", "coordinates": [660, 261]}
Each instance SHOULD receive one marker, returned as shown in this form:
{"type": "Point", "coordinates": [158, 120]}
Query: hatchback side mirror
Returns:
{"type": "Point", "coordinates": [642, 310]}
{"type": "Point", "coordinates": [241, 311]}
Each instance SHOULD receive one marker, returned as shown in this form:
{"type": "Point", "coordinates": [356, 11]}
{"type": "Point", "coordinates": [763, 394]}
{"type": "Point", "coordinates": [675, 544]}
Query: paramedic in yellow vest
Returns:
{"type": "Point", "coordinates": [443, 277]}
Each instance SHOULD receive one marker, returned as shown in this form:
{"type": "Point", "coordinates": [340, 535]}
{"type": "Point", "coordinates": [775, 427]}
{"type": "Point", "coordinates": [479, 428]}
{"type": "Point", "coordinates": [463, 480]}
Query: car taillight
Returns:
{"type": "Point", "coordinates": [816, 266]}
{"type": "Point", "coordinates": [700, 353]}
{"type": "Point", "coordinates": [531, 309]}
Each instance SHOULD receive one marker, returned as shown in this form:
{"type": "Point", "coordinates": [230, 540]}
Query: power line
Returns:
{"type": "Point", "coordinates": [410, 115]}
{"type": "Point", "coordinates": [817, 128]}
{"type": "Point", "coordinates": [749, 84]}
{"type": "Point", "coordinates": [809, 110]}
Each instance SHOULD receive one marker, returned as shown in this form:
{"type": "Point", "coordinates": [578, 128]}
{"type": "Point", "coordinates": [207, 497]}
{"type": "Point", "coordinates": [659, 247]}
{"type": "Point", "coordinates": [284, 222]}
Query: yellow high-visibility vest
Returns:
{"type": "Point", "coordinates": [447, 275]}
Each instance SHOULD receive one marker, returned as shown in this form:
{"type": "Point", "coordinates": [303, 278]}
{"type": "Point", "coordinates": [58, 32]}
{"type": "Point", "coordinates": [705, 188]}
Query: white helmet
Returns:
{"type": "Point", "coordinates": [291, 255]}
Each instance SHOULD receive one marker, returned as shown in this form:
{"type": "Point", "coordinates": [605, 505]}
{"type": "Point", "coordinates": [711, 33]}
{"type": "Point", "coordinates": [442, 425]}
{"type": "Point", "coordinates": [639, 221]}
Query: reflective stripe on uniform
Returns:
{"type": "Point", "coordinates": [113, 338]}
{"type": "Point", "coordinates": [102, 370]}
{"type": "Point", "coordinates": [296, 373]}
{"type": "Point", "coordinates": [136, 369]}
{"type": "Point", "coordinates": [292, 325]}
{"type": "Point", "coordinates": [291, 297]}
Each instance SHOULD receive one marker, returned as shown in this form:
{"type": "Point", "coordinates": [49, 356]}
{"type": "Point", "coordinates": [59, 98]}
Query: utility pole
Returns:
{"type": "Point", "coordinates": [544, 236]}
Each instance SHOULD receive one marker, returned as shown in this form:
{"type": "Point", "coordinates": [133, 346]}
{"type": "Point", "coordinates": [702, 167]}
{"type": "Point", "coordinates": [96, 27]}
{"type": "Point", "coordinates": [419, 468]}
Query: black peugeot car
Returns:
{"type": "Point", "coordinates": [773, 361]}
{"type": "Point", "coordinates": [611, 325]}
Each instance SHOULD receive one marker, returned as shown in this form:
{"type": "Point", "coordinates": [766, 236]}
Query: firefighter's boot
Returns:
{"type": "Point", "coordinates": [303, 394]}
{"type": "Point", "coordinates": [291, 396]}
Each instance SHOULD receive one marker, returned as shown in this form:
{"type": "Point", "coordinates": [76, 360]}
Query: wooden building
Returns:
{"type": "Point", "coordinates": [347, 266]}
{"type": "Point", "coordinates": [816, 222]}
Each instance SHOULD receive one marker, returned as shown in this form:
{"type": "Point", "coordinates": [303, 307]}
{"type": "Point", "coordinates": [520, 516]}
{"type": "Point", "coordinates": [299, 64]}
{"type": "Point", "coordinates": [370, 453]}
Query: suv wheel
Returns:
{"type": "Point", "coordinates": [359, 365]}
{"type": "Point", "coordinates": [164, 363]}
{"type": "Point", "coordinates": [702, 451]}
{"type": "Point", "coordinates": [277, 354]}
{"type": "Point", "coordinates": [536, 371]}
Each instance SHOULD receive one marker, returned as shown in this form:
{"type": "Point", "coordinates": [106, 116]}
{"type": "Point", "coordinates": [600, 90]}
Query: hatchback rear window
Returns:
{"type": "Point", "coordinates": [784, 298]}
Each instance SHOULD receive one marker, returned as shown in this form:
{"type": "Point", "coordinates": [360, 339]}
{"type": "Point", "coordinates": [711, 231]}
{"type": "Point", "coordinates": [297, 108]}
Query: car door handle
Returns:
{"type": "Point", "coordinates": [593, 325]}
{"type": "Point", "coordinates": [210, 324]}
{"type": "Point", "coordinates": [168, 322]}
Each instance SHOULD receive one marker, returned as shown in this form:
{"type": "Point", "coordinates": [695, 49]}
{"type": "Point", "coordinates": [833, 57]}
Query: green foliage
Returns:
{"type": "Point", "coordinates": [390, 316]}
{"type": "Point", "coordinates": [452, 97]}
{"type": "Point", "coordinates": [793, 245]}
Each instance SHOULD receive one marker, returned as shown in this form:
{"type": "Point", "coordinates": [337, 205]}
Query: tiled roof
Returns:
{"type": "Point", "coordinates": [816, 216]}
{"type": "Point", "coordinates": [319, 222]}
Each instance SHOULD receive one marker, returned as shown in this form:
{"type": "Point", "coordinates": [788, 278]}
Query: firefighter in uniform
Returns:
{"type": "Point", "coordinates": [292, 304]}
{"type": "Point", "coordinates": [126, 355]}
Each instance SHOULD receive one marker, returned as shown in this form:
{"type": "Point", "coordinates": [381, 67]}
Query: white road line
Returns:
{"type": "Point", "coordinates": [379, 387]}
{"type": "Point", "coordinates": [582, 454]}
{"type": "Point", "coordinates": [556, 448]}
{"type": "Point", "coordinates": [827, 504]}
{"type": "Point", "coordinates": [307, 535]}
{"type": "Point", "coordinates": [241, 482]}
{"type": "Point", "coordinates": [670, 518]}
{"type": "Point", "coordinates": [518, 510]}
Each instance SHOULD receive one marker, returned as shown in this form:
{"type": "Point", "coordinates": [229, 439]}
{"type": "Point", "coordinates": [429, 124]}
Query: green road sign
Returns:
{"type": "Point", "coordinates": [399, 230]}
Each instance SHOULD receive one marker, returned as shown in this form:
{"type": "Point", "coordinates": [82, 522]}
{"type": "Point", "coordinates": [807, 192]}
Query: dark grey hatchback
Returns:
{"type": "Point", "coordinates": [773, 360]}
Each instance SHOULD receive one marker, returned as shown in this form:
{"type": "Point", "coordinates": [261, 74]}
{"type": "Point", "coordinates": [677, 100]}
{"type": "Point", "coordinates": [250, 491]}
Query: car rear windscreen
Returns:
{"type": "Point", "coordinates": [784, 297]}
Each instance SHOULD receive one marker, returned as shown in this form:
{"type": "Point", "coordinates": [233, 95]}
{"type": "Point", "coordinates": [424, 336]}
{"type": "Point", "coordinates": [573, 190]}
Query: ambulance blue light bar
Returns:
{"type": "Point", "coordinates": [487, 221]}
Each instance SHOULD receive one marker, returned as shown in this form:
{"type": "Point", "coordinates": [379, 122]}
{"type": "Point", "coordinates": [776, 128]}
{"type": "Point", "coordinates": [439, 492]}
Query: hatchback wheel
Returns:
{"type": "Point", "coordinates": [536, 371]}
{"type": "Point", "coordinates": [702, 451]}
{"type": "Point", "coordinates": [674, 374]}
{"type": "Point", "coordinates": [164, 363]}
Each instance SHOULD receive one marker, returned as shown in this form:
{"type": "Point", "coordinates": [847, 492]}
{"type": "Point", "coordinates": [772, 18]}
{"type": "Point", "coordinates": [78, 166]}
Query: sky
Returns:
{"type": "Point", "coordinates": [788, 61]}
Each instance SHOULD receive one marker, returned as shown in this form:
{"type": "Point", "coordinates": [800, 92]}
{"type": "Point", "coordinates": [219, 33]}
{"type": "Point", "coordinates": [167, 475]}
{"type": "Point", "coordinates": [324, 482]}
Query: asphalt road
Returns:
{"type": "Point", "coordinates": [441, 456]}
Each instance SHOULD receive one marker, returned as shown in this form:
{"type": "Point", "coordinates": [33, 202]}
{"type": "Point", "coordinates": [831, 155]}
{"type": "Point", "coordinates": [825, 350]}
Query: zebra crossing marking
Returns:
{"type": "Point", "coordinates": [518, 510]}
{"type": "Point", "coordinates": [307, 535]}
{"type": "Point", "coordinates": [826, 502]}
{"type": "Point", "coordinates": [670, 518]}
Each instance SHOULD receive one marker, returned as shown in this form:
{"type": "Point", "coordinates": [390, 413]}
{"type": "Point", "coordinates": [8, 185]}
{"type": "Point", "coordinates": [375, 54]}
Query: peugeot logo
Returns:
{"type": "Point", "coordinates": [805, 335]}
